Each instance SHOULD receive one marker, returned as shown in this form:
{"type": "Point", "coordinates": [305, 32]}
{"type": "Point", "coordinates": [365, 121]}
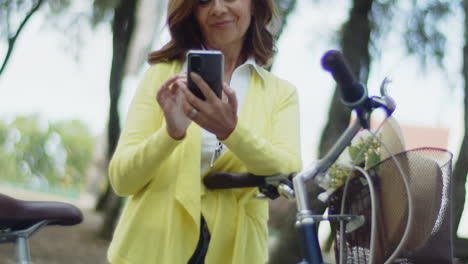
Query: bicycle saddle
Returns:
{"type": "Point", "coordinates": [18, 214]}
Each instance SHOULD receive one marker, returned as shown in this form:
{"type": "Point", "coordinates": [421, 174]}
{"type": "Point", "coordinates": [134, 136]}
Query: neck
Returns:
{"type": "Point", "coordinates": [231, 62]}
{"type": "Point", "coordinates": [232, 59]}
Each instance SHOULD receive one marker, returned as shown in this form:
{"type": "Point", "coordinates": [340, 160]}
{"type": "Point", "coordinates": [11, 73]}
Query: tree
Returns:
{"type": "Point", "coordinates": [123, 27]}
{"type": "Point", "coordinates": [7, 8]}
{"type": "Point", "coordinates": [366, 23]}
{"type": "Point", "coordinates": [461, 166]}
{"type": "Point", "coordinates": [15, 15]}
{"type": "Point", "coordinates": [45, 155]}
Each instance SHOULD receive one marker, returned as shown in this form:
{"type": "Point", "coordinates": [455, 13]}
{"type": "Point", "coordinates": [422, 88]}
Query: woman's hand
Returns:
{"type": "Point", "coordinates": [171, 99]}
{"type": "Point", "coordinates": [219, 116]}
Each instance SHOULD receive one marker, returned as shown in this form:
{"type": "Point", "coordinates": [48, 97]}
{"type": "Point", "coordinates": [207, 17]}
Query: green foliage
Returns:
{"type": "Point", "coordinates": [423, 36]}
{"type": "Point", "coordinates": [15, 15]}
{"type": "Point", "coordinates": [381, 17]}
{"type": "Point", "coordinates": [45, 155]}
{"type": "Point", "coordinates": [363, 152]}
{"type": "Point", "coordinates": [14, 12]}
{"type": "Point", "coordinates": [58, 6]}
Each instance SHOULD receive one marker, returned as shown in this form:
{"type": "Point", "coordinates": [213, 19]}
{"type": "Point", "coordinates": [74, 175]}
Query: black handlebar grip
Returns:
{"type": "Point", "coordinates": [352, 91]}
{"type": "Point", "coordinates": [227, 180]}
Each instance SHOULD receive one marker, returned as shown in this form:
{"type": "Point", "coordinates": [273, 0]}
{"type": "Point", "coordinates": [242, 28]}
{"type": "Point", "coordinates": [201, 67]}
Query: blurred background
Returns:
{"type": "Point", "coordinates": [69, 70]}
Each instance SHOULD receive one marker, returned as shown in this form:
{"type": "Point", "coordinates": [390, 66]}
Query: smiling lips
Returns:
{"type": "Point", "coordinates": [221, 24]}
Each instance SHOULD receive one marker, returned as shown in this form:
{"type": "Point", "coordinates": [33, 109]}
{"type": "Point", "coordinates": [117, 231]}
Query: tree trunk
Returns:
{"type": "Point", "coordinates": [355, 47]}
{"type": "Point", "coordinates": [123, 26]}
{"type": "Point", "coordinates": [461, 166]}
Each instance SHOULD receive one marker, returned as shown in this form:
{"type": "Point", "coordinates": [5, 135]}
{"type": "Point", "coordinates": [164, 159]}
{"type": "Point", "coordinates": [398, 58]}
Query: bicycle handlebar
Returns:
{"type": "Point", "coordinates": [352, 91]}
{"type": "Point", "coordinates": [228, 180]}
{"type": "Point", "coordinates": [269, 186]}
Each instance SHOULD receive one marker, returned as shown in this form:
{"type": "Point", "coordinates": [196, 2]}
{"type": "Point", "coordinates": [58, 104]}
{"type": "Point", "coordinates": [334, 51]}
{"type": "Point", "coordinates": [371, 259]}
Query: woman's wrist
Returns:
{"type": "Point", "coordinates": [175, 135]}
{"type": "Point", "coordinates": [224, 136]}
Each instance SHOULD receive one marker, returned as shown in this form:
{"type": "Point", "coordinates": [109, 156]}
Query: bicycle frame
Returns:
{"type": "Point", "coordinates": [306, 221]}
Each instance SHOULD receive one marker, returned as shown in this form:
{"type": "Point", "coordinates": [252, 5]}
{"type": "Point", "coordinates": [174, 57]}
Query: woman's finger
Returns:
{"type": "Point", "coordinates": [165, 87]}
{"type": "Point", "coordinates": [204, 88]}
{"type": "Point", "coordinates": [231, 96]}
{"type": "Point", "coordinates": [178, 84]}
{"type": "Point", "coordinates": [182, 77]}
{"type": "Point", "coordinates": [170, 81]}
{"type": "Point", "coordinates": [192, 99]}
{"type": "Point", "coordinates": [188, 108]}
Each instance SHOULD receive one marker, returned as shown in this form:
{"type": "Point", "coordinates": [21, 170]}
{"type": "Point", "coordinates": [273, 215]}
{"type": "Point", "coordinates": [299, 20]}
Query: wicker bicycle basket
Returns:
{"type": "Point", "coordinates": [427, 171]}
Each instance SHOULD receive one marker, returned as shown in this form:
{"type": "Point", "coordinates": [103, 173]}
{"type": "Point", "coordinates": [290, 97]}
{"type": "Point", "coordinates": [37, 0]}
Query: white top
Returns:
{"type": "Point", "coordinates": [240, 82]}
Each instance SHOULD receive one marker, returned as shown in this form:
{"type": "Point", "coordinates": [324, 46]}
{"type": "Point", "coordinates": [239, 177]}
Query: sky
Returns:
{"type": "Point", "coordinates": [44, 76]}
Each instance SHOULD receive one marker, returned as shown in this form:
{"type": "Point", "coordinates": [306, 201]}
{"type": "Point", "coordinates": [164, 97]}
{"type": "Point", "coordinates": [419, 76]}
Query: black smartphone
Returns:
{"type": "Point", "coordinates": [209, 65]}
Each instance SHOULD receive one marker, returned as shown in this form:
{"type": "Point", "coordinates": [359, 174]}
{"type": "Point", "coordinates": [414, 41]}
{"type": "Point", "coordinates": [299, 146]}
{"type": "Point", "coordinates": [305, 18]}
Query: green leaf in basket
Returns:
{"type": "Point", "coordinates": [355, 154]}
{"type": "Point", "coordinates": [372, 158]}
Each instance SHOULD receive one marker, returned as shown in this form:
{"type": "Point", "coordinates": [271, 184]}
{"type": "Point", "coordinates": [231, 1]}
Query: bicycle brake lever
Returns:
{"type": "Point", "coordinates": [384, 101]}
{"type": "Point", "coordinates": [383, 87]}
{"type": "Point", "coordinates": [389, 103]}
{"type": "Point", "coordinates": [277, 185]}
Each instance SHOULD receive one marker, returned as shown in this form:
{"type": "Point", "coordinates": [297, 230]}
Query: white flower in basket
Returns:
{"type": "Point", "coordinates": [365, 151]}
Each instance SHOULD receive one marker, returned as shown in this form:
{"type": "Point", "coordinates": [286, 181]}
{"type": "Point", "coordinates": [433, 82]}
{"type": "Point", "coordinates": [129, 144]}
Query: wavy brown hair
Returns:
{"type": "Point", "coordinates": [186, 34]}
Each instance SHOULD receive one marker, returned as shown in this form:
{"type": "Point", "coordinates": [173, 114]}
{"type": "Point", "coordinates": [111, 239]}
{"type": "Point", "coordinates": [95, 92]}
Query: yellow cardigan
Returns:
{"type": "Point", "coordinates": [161, 177]}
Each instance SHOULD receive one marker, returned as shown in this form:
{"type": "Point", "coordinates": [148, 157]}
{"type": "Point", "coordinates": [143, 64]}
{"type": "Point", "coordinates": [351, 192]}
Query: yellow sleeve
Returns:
{"type": "Point", "coordinates": [280, 154]}
{"type": "Point", "coordinates": [144, 143]}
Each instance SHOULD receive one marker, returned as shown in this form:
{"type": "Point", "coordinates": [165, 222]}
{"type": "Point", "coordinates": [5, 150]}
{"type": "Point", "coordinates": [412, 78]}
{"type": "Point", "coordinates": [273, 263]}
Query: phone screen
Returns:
{"type": "Point", "coordinates": [209, 65]}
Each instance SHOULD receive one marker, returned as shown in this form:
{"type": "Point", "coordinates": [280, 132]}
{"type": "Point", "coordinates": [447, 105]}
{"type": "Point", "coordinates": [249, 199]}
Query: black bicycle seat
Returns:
{"type": "Point", "coordinates": [18, 214]}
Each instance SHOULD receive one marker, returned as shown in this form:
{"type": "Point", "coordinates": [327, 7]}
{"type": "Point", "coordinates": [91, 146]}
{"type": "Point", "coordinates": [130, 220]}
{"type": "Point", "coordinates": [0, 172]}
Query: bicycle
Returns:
{"type": "Point", "coordinates": [20, 219]}
{"type": "Point", "coordinates": [367, 226]}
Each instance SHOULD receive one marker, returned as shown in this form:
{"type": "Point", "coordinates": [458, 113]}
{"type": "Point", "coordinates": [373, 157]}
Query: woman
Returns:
{"type": "Point", "coordinates": [168, 144]}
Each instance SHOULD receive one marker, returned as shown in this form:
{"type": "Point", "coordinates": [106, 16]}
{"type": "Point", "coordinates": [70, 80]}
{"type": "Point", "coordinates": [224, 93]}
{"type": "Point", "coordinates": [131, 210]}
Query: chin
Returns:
{"type": "Point", "coordinates": [219, 45]}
